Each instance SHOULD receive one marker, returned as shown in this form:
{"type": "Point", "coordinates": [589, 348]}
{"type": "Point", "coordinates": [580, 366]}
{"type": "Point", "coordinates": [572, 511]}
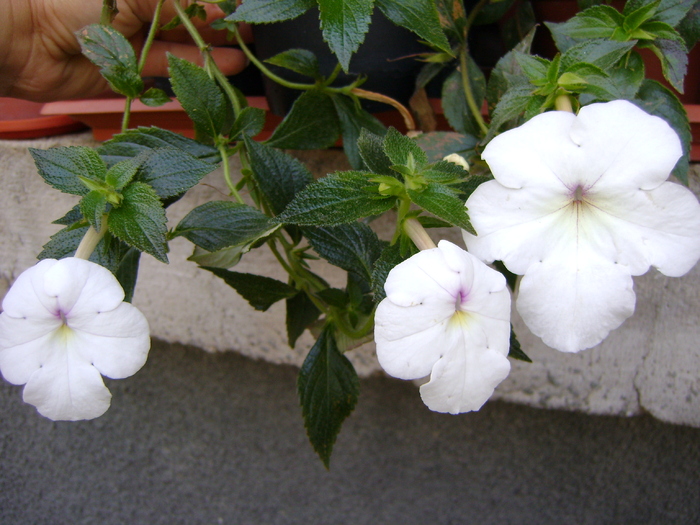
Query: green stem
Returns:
{"type": "Point", "coordinates": [227, 173]}
{"type": "Point", "coordinates": [109, 11]}
{"type": "Point", "coordinates": [127, 113]}
{"type": "Point", "coordinates": [563, 103]}
{"type": "Point", "coordinates": [151, 35]}
{"type": "Point", "coordinates": [265, 71]}
{"type": "Point", "coordinates": [354, 333]}
{"type": "Point", "coordinates": [468, 93]}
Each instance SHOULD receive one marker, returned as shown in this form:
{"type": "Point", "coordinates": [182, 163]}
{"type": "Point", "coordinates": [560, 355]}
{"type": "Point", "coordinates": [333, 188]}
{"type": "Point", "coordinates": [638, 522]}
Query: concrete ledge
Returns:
{"type": "Point", "coordinates": [651, 363]}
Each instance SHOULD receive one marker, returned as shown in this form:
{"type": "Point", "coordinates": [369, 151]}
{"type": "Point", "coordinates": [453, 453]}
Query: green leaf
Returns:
{"type": "Point", "coordinates": [171, 171]}
{"type": "Point", "coordinates": [658, 100]}
{"type": "Point", "coordinates": [219, 224]}
{"type": "Point", "coordinates": [390, 257]}
{"type": "Point", "coordinates": [454, 102]}
{"type": "Point", "coordinates": [63, 243]}
{"type": "Point", "coordinates": [339, 198]}
{"type": "Point", "coordinates": [534, 67]}
{"type": "Point", "coordinates": [279, 176]}
{"type": "Point", "coordinates": [328, 389]}
{"type": "Point", "coordinates": [511, 105]}
{"type": "Point", "coordinates": [493, 11]}
{"type": "Point", "coordinates": [140, 221]}
{"type": "Point", "coordinates": [300, 61]}
{"type": "Point", "coordinates": [108, 49]}
{"type": "Point", "coordinates": [200, 96]}
{"type": "Point", "coordinates": [672, 12]}
{"type": "Point", "coordinates": [61, 167]}
{"type": "Point", "coordinates": [508, 72]}
{"type": "Point", "coordinates": [135, 141]}
{"type": "Point", "coordinates": [517, 27]}
{"type": "Point", "coordinates": [312, 123]}
{"type": "Point", "coordinates": [438, 144]}
{"type": "Point", "coordinates": [419, 16]}
{"type": "Point", "coordinates": [266, 11]}
{"type": "Point", "coordinates": [515, 351]}
{"type": "Point", "coordinates": [689, 27]}
{"type": "Point", "coordinates": [225, 258]}
{"type": "Point", "coordinates": [674, 61]}
{"type": "Point", "coordinates": [93, 207]}
{"type": "Point", "coordinates": [371, 149]}
{"type": "Point", "coordinates": [353, 119]}
{"type": "Point", "coordinates": [636, 13]}
{"type": "Point", "coordinates": [400, 149]}
{"type": "Point", "coordinates": [444, 172]}
{"type": "Point", "coordinates": [154, 97]}
{"type": "Point", "coordinates": [73, 216]}
{"type": "Point", "coordinates": [250, 122]}
{"type": "Point", "coordinates": [602, 53]}
{"type": "Point", "coordinates": [344, 24]}
{"type": "Point", "coordinates": [353, 247]}
{"type": "Point", "coordinates": [128, 271]}
{"type": "Point", "coordinates": [261, 292]}
{"type": "Point", "coordinates": [443, 203]}
{"type": "Point", "coordinates": [599, 21]}
{"type": "Point", "coordinates": [627, 77]}
{"type": "Point", "coordinates": [301, 313]}
{"type": "Point", "coordinates": [122, 173]}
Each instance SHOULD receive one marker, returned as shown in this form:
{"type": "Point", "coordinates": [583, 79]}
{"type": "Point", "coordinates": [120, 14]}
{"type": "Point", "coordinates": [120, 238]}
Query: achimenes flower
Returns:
{"type": "Point", "coordinates": [446, 314]}
{"type": "Point", "coordinates": [64, 323]}
{"type": "Point", "coordinates": [580, 204]}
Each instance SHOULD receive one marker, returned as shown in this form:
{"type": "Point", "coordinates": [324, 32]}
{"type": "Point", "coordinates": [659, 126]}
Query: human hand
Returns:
{"type": "Point", "coordinates": [40, 57]}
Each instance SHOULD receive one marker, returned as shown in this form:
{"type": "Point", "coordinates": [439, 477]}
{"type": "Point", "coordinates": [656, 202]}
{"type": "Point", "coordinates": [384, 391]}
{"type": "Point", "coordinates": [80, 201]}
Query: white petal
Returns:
{"type": "Point", "coordinates": [24, 346]}
{"type": "Point", "coordinates": [659, 227]}
{"type": "Point", "coordinates": [115, 342]}
{"type": "Point", "coordinates": [465, 377]}
{"type": "Point", "coordinates": [82, 286]}
{"type": "Point", "coordinates": [534, 154]}
{"type": "Point", "coordinates": [516, 226]}
{"type": "Point", "coordinates": [574, 297]}
{"type": "Point", "coordinates": [624, 147]}
{"type": "Point", "coordinates": [67, 387]}
{"type": "Point", "coordinates": [27, 297]}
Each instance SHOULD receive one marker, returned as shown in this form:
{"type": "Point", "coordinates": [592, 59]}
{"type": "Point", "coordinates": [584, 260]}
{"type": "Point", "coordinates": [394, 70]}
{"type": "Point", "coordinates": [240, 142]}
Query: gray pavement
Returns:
{"type": "Point", "coordinates": [196, 438]}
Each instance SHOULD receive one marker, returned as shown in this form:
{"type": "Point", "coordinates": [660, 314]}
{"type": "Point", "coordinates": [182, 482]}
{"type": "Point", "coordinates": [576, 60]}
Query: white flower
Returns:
{"type": "Point", "coordinates": [580, 204]}
{"type": "Point", "coordinates": [448, 315]}
{"type": "Point", "coordinates": [456, 158]}
{"type": "Point", "coordinates": [64, 324]}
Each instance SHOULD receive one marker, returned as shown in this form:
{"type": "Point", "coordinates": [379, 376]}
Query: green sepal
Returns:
{"type": "Point", "coordinates": [218, 224]}
{"type": "Point", "coordinates": [328, 389]}
{"type": "Point", "coordinates": [260, 291]}
{"type": "Point", "coordinates": [140, 221]}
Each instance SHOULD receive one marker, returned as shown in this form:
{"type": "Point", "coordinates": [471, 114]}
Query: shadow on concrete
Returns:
{"type": "Point", "coordinates": [196, 438]}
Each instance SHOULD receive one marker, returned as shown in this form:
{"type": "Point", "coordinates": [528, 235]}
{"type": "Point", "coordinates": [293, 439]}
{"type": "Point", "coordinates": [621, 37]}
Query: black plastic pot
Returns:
{"type": "Point", "coordinates": [386, 57]}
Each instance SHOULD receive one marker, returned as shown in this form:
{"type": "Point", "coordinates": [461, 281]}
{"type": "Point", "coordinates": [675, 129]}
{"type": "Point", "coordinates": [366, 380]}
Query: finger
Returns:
{"type": "Point", "coordinates": [229, 60]}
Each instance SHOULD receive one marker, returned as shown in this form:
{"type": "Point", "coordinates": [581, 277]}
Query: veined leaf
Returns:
{"type": "Point", "coordinates": [61, 167]}
{"type": "Point", "coordinates": [344, 24]}
{"type": "Point", "coordinates": [328, 389]}
{"type": "Point", "coordinates": [140, 221]}
{"type": "Point", "coordinates": [260, 291]}
{"type": "Point", "coordinates": [312, 123]}
{"type": "Point", "coordinates": [301, 313]}
{"type": "Point", "coordinates": [353, 119]}
{"type": "Point", "coordinates": [267, 11]}
{"type": "Point", "coordinates": [419, 16]}
{"type": "Point", "coordinates": [301, 61]}
{"type": "Point", "coordinates": [339, 198]}
{"type": "Point", "coordinates": [219, 224]}
{"type": "Point", "coordinates": [443, 203]}
{"type": "Point", "coordinates": [279, 176]}
{"type": "Point", "coordinates": [400, 149]}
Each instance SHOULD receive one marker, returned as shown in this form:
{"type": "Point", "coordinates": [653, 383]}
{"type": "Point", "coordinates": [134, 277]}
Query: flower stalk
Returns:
{"type": "Point", "coordinates": [90, 240]}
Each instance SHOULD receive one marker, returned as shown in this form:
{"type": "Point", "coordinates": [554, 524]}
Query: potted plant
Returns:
{"type": "Point", "coordinates": [575, 201]}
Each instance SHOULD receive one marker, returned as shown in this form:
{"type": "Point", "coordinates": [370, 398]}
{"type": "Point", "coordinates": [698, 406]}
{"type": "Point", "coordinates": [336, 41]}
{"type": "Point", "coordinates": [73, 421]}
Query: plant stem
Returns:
{"type": "Point", "coordinates": [371, 95]}
{"type": "Point", "coordinates": [127, 113]}
{"type": "Point", "coordinates": [468, 93]}
{"type": "Point", "coordinates": [227, 173]}
{"type": "Point", "coordinates": [109, 11]}
{"type": "Point", "coordinates": [151, 35]}
{"type": "Point", "coordinates": [418, 235]}
{"type": "Point", "coordinates": [90, 240]}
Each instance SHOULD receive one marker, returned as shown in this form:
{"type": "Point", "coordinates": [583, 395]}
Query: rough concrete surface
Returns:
{"type": "Point", "coordinates": [199, 438]}
{"type": "Point", "coordinates": [651, 363]}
